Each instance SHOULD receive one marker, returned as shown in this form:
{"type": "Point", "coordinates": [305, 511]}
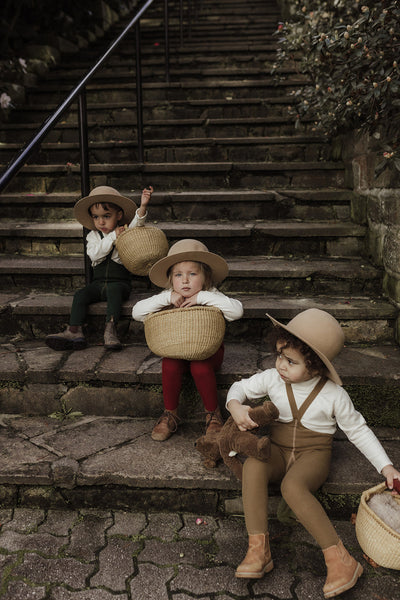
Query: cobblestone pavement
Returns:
{"type": "Point", "coordinates": [116, 555]}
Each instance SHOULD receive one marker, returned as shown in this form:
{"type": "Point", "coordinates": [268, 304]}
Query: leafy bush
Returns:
{"type": "Point", "coordinates": [349, 52]}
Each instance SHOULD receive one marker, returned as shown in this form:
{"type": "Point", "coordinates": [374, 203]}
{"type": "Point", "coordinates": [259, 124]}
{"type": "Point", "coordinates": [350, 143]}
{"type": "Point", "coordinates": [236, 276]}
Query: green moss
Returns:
{"type": "Point", "coordinates": [380, 405]}
{"type": "Point", "coordinates": [339, 506]}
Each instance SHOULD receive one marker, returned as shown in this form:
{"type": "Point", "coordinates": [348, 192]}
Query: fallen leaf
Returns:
{"type": "Point", "coordinates": [370, 561]}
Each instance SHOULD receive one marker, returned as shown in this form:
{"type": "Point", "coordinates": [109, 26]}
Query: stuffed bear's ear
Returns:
{"type": "Point", "coordinates": [264, 414]}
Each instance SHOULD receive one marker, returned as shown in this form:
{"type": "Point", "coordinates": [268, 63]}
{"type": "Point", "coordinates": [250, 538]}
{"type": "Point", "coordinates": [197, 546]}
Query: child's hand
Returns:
{"type": "Point", "coordinates": [119, 230]}
{"type": "Point", "coordinates": [390, 474]}
{"type": "Point", "coordinates": [146, 195]}
{"type": "Point", "coordinates": [176, 299]}
{"type": "Point", "coordinates": [240, 414]}
{"type": "Point", "coordinates": [192, 301]}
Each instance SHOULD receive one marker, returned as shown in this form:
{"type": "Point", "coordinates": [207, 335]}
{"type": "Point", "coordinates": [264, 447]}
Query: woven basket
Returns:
{"type": "Point", "coordinates": [193, 333]}
{"type": "Point", "coordinates": [140, 247]}
{"type": "Point", "coordinates": [378, 541]}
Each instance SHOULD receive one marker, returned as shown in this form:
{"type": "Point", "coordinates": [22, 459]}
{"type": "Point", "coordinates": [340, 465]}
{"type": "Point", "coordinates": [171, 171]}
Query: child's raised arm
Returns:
{"type": "Point", "coordinates": [145, 199]}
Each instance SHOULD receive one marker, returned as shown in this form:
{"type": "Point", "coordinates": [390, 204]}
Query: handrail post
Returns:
{"type": "Point", "coordinates": [189, 8]}
{"type": "Point", "coordinates": [85, 178]}
{"type": "Point", "coordinates": [139, 100]}
{"type": "Point", "coordinates": [166, 34]}
{"type": "Point", "coordinates": [181, 22]}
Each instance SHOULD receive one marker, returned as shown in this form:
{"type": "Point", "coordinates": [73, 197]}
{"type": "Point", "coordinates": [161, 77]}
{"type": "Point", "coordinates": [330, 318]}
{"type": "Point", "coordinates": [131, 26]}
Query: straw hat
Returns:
{"type": "Point", "coordinates": [192, 250]}
{"type": "Point", "coordinates": [319, 330]}
{"type": "Point", "coordinates": [103, 193]}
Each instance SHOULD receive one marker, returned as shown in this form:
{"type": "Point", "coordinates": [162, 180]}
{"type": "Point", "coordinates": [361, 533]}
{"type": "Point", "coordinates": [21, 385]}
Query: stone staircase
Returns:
{"type": "Point", "coordinates": [229, 168]}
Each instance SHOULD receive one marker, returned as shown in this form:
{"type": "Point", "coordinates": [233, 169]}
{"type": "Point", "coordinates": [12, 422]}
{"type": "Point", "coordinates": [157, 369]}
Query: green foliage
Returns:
{"type": "Point", "coordinates": [65, 412]}
{"type": "Point", "coordinates": [349, 52]}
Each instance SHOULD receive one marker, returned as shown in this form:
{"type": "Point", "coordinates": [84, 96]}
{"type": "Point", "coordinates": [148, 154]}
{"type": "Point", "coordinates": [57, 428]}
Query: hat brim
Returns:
{"type": "Point", "coordinates": [331, 371]}
{"type": "Point", "coordinates": [219, 267]}
{"type": "Point", "coordinates": [81, 208]}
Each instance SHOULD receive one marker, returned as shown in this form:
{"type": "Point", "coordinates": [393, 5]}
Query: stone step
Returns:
{"type": "Point", "coordinates": [255, 149]}
{"type": "Point", "coordinates": [125, 130]}
{"type": "Point", "coordinates": [190, 90]}
{"type": "Point", "coordinates": [272, 238]}
{"type": "Point", "coordinates": [95, 462]}
{"type": "Point", "coordinates": [38, 381]}
{"type": "Point", "coordinates": [196, 52]}
{"type": "Point", "coordinates": [222, 71]}
{"type": "Point", "coordinates": [182, 176]}
{"type": "Point", "coordinates": [308, 204]}
{"type": "Point", "coordinates": [255, 274]}
{"type": "Point", "coordinates": [182, 63]}
{"type": "Point", "coordinates": [174, 109]}
{"type": "Point", "coordinates": [367, 320]}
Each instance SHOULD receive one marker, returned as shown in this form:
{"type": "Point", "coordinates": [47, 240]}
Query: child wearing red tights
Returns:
{"type": "Point", "coordinates": [189, 274]}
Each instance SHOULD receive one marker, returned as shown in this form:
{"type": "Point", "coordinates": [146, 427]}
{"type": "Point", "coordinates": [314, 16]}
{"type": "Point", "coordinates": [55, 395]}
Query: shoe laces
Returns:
{"type": "Point", "coordinates": [171, 419]}
{"type": "Point", "coordinates": [213, 418]}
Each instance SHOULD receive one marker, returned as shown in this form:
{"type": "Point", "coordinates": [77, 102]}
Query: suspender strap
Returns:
{"type": "Point", "coordinates": [299, 413]}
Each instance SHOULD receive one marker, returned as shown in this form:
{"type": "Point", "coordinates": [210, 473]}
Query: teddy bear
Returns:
{"type": "Point", "coordinates": [230, 441]}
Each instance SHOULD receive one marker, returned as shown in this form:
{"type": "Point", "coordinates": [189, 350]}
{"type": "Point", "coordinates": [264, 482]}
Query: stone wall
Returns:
{"type": "Point", "coordinates": [43, 52]}
{"type": "Point", "coordinates": [377, 204]}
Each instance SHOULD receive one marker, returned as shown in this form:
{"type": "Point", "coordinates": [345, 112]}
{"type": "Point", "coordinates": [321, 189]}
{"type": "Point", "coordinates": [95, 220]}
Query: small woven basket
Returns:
{"type": "Point", "coordinates": [377, 539]}
{"type": "Point", "coordinates": [140, 247]}
{"type": "Point", "coordinates": [193, 333]}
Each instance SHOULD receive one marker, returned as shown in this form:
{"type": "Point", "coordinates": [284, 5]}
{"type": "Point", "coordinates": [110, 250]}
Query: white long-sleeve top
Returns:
{"type": "Point", "coordinates": [332, 408]}
{"type": "Point", "coordinates": [98, 247]}
{"type": "Point", "coordinates": [231, 308]}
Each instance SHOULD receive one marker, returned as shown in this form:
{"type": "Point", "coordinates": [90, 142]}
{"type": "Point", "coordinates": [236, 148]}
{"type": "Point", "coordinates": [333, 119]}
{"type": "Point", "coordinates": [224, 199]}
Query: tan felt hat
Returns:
{"type": "Point", "coordinates": [322, 332]}
{"type": "Point", "coordinates": [184, 250]}
{"type": "Point", "coordinates": [103, 193]}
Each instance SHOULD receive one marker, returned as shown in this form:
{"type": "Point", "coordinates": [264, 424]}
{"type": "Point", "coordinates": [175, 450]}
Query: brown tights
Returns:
{"type": "Point", "coordinates": [298, 485]}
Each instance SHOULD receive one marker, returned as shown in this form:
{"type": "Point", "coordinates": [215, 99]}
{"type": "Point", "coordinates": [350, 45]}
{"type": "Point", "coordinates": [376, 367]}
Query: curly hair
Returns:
{"type": "Point", "coordinates": [312, 361]}
{"type": "Point", "coordinates": [105, 206]}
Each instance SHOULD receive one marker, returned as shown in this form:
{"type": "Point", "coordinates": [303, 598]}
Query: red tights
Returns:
{"type": "Point", "coordinates": [203, 373]}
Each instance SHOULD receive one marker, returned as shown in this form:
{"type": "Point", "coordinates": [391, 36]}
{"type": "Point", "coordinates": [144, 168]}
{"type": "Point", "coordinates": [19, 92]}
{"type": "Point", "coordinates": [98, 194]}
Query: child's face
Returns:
{"type": "Point", "coordinates": [187, 278]}
{"type": "Point", "coordinates": [105, 220]}
{"type": "Point", "coordinates": [290, 364]}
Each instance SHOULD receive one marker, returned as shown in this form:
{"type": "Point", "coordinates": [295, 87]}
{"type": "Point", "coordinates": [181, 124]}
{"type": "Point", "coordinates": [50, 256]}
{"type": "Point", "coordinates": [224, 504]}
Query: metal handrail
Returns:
{"type": "Point", "coordinates": [79, 93]}
{"type": "Point", "coordinates": [19, 161]}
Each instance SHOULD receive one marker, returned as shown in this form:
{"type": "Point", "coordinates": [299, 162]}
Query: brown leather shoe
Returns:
{"type": "Point", "coordinates": [214, 422]}
{"type": "Point", "coordinates": [67, 340]}
{"type": "Point", "coordinates": [258, 558]}
{"type": "Point", "coordinates": [166, 425]}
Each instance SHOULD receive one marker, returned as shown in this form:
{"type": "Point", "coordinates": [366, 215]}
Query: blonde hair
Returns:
{"type": "Point", "coordinates": [205, 271]}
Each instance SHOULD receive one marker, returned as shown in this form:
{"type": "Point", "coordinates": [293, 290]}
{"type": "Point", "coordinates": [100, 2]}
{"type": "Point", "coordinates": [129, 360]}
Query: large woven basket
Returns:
{"type": "Point", "coordinates": [140, 247]}
{"type": "Point", "coordinates": [193, 333]}
{"type": "Point", "coordinates": [377, 539]}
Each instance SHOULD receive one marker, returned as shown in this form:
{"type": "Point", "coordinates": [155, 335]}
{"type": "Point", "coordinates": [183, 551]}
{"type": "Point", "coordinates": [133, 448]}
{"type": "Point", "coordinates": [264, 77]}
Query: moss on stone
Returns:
{"type": "Point", "coordinates": [380, 405]}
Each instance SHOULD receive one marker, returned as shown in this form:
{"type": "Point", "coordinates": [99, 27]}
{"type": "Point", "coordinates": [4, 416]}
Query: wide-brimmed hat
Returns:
{"type": "Point", "coordinates": [321, 331]}
{"type": "Point", "coordinates": [103, 193]}
{"type": "Point", "coordinates": [184, 250]}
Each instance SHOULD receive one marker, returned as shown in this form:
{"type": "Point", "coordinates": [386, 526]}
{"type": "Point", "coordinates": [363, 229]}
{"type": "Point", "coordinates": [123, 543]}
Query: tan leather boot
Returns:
{"type": "Point", "coordinates": [258, 558]}
{"type": "Point", "coordinates": [111, 341]}
{"type": "Point", "coordinates": [343, 570]}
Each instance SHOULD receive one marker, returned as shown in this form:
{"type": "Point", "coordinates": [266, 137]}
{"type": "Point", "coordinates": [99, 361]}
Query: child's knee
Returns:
{"type": "Point", "coordinates": [290, 490]}
{"type": "Point", "coordinates": [200, 368]}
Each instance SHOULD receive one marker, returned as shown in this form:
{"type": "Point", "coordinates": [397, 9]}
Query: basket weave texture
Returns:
{"type": "Point", "coordinates": [193, 333]}
{"type": "Point", "coordinates": [377, 539]}
{"type": "Point", "coordinates": [140, 248]}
